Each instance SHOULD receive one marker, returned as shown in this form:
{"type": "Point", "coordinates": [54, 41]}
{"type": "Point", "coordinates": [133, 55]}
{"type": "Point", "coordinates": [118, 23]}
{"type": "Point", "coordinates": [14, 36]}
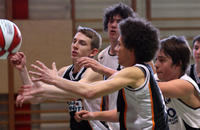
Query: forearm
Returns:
{"type": "Point", "coordinates": [110, 116]}
{"type": "Point", "coordinates": [24, 75]}
{"type": "Point", "coordinates": [50, 92]}
{"type": "Point", "coordinates": [107, 71]}
{"type": "Point", "coordinates": [78, 89]}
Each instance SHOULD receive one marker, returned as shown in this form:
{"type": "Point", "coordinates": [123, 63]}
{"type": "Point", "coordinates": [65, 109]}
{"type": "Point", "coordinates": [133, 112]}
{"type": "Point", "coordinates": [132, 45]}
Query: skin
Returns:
{"type": "Point", "coordinates": [113, 34]}
{"type": "Point", "coordinates": [196, 56]}
{"type": "Point", "coordinates": [130, 75]}
{"type": "Point", "coordinates": [37, 92]}
{"type": "Point", "coordinates": [175, 87]}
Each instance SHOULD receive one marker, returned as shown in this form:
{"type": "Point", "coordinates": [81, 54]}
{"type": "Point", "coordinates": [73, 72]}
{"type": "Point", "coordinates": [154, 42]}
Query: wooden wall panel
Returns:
{"type": "Point", "coordinates": [45, 40]}
{"type": "Point", "coordinates": [3, 76]}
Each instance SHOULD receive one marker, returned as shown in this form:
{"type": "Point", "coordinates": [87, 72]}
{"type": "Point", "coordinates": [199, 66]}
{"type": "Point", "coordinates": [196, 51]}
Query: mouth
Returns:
{"type": "Point", "coordinates": [74, 53]}
{"type": "Point", "coordinates": [112, 31]}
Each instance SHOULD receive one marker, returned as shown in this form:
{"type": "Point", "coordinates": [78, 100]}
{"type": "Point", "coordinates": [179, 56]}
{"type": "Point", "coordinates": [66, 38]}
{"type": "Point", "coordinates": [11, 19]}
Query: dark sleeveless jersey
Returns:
{"type": "Point", "coordinates": [75, 106]}
{"type": "Point", "coordinates": [193, 75]}
{"type": "Point", "coordinates": [143, 107]}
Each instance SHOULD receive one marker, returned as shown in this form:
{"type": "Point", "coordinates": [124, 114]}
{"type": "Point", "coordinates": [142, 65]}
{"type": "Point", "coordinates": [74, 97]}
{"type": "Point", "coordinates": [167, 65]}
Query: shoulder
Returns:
{"type": "Point", "coordinates": [103, 52]}
{"type": "Point", "coordinates": [192, 83]}
{"type": "Point", "coordinates": [134, 76]}
{"type": "Point", "coordinates": [62, 70]}
{"type": "Point", "coordinates": [90, 76]}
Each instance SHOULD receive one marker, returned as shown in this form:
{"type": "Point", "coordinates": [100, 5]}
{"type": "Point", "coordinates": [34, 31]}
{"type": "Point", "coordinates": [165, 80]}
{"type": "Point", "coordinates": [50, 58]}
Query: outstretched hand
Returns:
{"type": "Point", "coordinates": [43, 73]}
{"type": "Point", "coordinates": [90, 63]}
{"type": "Point", "coordinates": [29, 93]}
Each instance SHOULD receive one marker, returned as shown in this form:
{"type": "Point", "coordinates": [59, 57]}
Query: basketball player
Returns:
{"type": "Point", "coordinates": [140, 104]}
{"type": "Point", "coordinates": [182, 95]}
{"type": "Point", "coordinates": [107, 58]}
{"type": "Point", "coordinates": [86, 42]}
{"type": "Point", "coordinates": [194, 69]}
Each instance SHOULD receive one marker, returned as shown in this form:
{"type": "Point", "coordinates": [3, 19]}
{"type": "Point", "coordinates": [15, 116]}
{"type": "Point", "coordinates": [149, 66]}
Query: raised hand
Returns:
{"type": "Point", "coordinates": [90, 63]}
{"type": "Point", "coordinates": [43, 73]}
{"type": "Point", "coordinates": [18, 60]}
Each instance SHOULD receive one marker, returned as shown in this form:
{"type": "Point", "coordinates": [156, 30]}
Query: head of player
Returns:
{"type": "Point", "coordinates": [112, 16]}
{"type": "Point", "coordinates": [173, 58]}
{"type": "Point", "coordinates": [138, 37]}
{"type": "Point", "coordinates": [86, 43]}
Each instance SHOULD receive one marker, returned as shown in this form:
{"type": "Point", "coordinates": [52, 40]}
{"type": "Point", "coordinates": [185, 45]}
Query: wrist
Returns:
{"type": "Point", "coordinates": [56, 80]}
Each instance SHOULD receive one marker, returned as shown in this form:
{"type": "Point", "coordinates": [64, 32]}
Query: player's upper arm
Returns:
{"type": "Point", "coordinates": [131, 76]}
{"type": "Point", "coordinates": [90, 76]}
{"type": "Point", "coordinates": [177, 88]}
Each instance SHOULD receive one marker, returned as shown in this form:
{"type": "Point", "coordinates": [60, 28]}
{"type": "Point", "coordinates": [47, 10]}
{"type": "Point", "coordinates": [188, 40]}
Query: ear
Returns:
{"type": "Point", "coordinates": [94, 52]}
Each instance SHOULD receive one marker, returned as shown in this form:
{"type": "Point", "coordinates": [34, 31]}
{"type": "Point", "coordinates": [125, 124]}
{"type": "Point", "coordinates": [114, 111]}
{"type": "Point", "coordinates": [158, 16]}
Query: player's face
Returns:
{"type": "Point", "coordinates": [125, 57]}
{"type": "Point", "coordinates": [113, 30]}
{"type": "Point", "coordinates": [81, 46]}
{"type": "Point", "coordinates": [164, 67]}
{"type": "Point", "coordinates": [196, 51]}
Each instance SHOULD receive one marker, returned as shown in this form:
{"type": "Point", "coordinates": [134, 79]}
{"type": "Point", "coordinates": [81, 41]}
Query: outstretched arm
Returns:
{"type": "Point", "coordinates": [130, 76]}
{"type": "Point", "coordinates": [18, 60]}
{"type": "Point", "coordinates": [38, 93]}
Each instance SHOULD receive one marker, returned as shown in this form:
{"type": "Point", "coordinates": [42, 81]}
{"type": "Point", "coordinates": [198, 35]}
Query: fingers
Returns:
{"type": "Point", "coordinates": [15, 58]}
{"type": "Point", "coordinates": [42, 65]}
{"type": "Point", "coordinates": [54, 66]}
{"type": "Point", "coordinates": [78, 116]}
{"type": "Point", "coordinates": [82, 115]}
{"type": "Point", "coordinates": [37, 68]}
{"type": "Point", "coordinates": [34, 79]}
{"type": "Point", "coordinates": [19, 101]}
{"type": "Point", "coordinates": [38, 74]}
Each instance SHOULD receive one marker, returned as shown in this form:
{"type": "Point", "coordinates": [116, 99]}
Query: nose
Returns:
{"type": "Point", "coordinates": [75, 45]}
{"type": "Point", "coordinates": [156, 64]}
{"type": "Point", "coordinates": [114, 24]}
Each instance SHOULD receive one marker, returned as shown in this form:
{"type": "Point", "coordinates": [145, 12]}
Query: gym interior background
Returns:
{"type": "Point", "coordinates": [47, 28]}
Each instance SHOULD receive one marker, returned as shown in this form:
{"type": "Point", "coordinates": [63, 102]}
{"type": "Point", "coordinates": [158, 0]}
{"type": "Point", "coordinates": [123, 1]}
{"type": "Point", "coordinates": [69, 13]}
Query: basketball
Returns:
{"type": "Point", "coordinates": [10, 38]}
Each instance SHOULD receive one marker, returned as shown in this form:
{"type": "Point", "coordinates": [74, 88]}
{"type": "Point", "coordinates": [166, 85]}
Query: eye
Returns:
{"type": "Point", "coordinates": [118, 20]}
{"type": "Point", "coordinates": [74, 41]}
{"type": "Point", "coordinates": [111, 20]}
{"type": "Point", "coordinates": [196, 47]}
{"type": "Point", "coordinates": [82, 43]}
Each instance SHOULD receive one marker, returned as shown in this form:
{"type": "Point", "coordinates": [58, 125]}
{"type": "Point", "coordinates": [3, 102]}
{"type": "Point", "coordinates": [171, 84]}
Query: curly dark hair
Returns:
{"type": "Point", "coordinates": [178, 49]}
{"type": "Point", "coordinates": [117, 9]}
{"type": "Point", "coordinates": [140, 36]}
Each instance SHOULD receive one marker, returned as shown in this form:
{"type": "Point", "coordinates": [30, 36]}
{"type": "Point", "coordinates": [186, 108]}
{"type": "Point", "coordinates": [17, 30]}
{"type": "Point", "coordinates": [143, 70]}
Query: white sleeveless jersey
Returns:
{"type": "Point", "coordinates": [142, 108]}
{"type": "Point", "coordinates": [110, 61]}
{"type": "Point", "coordinates": [179, 112]}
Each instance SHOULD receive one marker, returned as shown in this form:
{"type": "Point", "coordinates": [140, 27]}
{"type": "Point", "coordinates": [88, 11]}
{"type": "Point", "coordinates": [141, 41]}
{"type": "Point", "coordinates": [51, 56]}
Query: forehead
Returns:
{"type": "Point", "coordinates": [161, 54]}
{"type": "Point", "coordinates": [83, 37]}
{"type": "Point", "coordinates": [116, 17]}
{"type": "Point", "coordinates": [197, 43]}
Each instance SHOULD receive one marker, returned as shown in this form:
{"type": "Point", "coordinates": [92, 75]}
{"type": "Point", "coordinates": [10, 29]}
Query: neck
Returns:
{"type": "Point", "coordinates": [197, 68]}
{"type": "Point", "coordinates": [112, 47]}
{"type": "Point", "coordinates": [76, 68]}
